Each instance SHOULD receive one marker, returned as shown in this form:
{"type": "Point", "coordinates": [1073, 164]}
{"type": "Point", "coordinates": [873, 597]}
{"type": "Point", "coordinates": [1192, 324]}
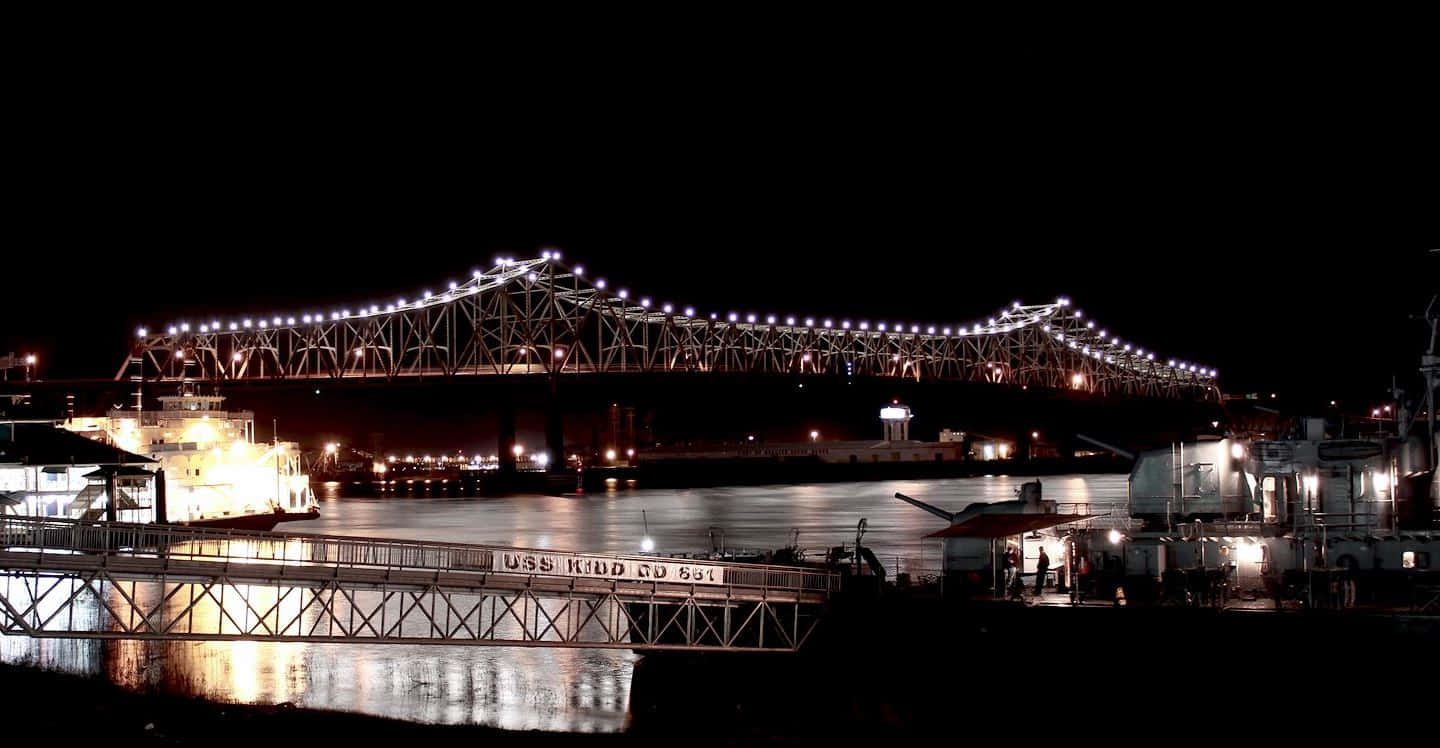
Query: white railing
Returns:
{"type": "Point", "coordinates": [55, 535]}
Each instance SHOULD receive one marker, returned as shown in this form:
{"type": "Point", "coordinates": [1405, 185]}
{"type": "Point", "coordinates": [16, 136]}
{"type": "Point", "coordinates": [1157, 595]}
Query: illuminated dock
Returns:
{"type": "Point", "coordinates": [95, 580]}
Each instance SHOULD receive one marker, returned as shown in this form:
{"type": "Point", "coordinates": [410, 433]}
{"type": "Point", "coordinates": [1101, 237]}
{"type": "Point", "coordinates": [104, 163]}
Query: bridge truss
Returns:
{"type": "Point", "coordinates": [541, 316]}
{"type": "Point", "coordinates": [88, 580]}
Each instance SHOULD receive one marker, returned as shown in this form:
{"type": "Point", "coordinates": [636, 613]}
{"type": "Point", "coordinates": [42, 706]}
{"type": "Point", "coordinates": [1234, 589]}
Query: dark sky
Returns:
{"type": "Point", "coordinates": [1253, 202]}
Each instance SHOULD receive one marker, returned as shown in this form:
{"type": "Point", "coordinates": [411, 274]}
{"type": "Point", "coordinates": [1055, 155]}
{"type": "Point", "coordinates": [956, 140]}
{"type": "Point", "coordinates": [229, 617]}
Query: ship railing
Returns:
{"type": "Point", "coordinates": [1111, 515]}
{"type": "Point", "coordinates": [70, 536]}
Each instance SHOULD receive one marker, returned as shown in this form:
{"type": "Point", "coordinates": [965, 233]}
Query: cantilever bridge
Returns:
{"type": "Point", "coordinates": [542, 316]}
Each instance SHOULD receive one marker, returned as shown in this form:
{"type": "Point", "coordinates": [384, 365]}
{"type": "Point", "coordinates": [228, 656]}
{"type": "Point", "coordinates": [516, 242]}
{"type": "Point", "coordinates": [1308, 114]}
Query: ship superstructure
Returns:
{"type": "Point", "coordinates": [216, 473]}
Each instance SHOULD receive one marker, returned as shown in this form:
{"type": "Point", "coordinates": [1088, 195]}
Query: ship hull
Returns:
{"type": "Point", "coordinates": [263, 522]}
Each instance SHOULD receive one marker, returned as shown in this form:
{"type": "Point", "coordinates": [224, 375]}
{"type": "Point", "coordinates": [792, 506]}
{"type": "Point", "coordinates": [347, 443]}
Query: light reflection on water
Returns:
{"type": "Point", "coordinates": [531, 688]}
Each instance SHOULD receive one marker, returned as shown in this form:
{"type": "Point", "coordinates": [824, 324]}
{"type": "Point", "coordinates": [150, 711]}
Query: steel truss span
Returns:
{"type": "Point", "coordinates": [541, 316]}
{"type": "Point", "coordinates": [68, 579]}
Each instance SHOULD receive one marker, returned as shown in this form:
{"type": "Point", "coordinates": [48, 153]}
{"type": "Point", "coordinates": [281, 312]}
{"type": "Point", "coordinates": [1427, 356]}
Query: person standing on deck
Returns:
{"type": "Point", "coordinates": [1042, 565]}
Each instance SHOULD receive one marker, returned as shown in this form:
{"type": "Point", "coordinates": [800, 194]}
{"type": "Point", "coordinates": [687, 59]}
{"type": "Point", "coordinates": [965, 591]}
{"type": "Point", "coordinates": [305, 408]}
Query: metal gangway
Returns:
{"type": "Point", "coordinates": [76, 579]}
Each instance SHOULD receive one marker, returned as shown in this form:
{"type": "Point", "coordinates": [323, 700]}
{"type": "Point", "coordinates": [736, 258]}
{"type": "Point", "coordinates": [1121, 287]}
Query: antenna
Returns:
{"type": "Point", "coordinates": [646, 544]}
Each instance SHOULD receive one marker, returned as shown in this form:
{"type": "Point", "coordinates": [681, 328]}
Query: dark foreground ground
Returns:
{"type": "Point", "coordinates": [910, 672]}
{"type": "Point", "coordinates": [73, 710]}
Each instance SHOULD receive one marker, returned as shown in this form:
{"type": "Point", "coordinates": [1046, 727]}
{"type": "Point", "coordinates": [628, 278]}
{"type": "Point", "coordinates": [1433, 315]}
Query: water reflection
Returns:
{"type": "Point", "coordinates": [528, 688]}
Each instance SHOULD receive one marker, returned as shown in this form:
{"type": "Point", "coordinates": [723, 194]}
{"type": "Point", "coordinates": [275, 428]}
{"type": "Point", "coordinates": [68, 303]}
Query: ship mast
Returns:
{"type": "Point", "coordinates": [1430, 367]}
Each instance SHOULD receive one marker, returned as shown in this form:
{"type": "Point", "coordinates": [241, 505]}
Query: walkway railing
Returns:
{"type": "Point", "coordinates": [51, 535]}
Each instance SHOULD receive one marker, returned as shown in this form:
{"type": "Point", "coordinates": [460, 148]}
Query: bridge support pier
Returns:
{"type": "Point", "coordinates": [555, 427]}
{"type": "Point", "coordinates": [506, 446]}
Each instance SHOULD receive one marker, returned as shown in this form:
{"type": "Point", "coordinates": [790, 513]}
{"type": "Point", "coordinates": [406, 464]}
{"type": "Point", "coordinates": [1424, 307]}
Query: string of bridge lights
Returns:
{"type": "Point", "coordinates": [1098, 344]}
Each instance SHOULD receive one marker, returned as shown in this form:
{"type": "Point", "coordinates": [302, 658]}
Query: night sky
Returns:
{"type": "Point", "coordinates": [1256, 204]}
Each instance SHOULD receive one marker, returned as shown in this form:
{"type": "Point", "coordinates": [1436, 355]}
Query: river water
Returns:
{"type": "Point", "coordinates": [533, 688]}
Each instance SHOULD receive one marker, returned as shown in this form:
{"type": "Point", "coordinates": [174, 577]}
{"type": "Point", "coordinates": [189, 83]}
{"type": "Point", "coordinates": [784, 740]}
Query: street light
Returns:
{"type": "Point", "coordinates": [814, 436]}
